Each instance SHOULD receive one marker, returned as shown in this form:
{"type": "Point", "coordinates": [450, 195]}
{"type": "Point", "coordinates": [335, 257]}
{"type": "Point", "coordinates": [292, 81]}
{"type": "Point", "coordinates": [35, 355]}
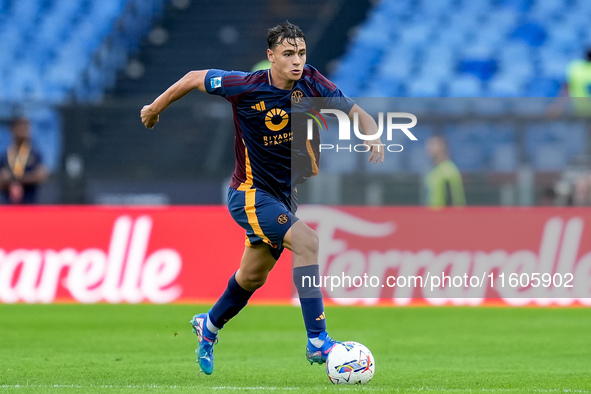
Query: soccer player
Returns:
{"type": "Point", "coordinates": [260, 194]}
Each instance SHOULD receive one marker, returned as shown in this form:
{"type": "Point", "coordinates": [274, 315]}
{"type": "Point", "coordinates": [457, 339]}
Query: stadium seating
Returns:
{"type": "Point", "coordinates": [474, 48]}
{"type": "Point", "coordinates": [466, 48]}
{"type": "Point", "coordinates": [56, 52]}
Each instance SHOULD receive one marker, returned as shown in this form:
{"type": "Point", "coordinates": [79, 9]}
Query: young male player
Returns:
{"type": "Point", "coordinates": [260, 194]}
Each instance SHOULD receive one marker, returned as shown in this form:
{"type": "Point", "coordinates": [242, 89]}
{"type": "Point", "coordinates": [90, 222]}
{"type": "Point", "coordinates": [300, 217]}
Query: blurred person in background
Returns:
{"type": "Point", "coordinates": [444, 186]}
{"type": "Point", "coordinates": [578, 83]}
{"type": "Point", "coordinates": [578, 86]}
{"type": "Point", "coordinates": [582, 191]}
{"type": "Point", "coordinates": [262, 65]}
{"type": "Point", "coordinates": [577, 90]}
{"type": "Point", "coordinates": [21, 166]}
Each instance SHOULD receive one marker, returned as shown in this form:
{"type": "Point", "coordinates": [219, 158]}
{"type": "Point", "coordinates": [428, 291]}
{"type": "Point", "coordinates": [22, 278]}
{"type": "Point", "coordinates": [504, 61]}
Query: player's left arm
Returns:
{"type": "Point", "coordinates": [368, 126]}
{"type": "Point", "coordinates": [336, 99]}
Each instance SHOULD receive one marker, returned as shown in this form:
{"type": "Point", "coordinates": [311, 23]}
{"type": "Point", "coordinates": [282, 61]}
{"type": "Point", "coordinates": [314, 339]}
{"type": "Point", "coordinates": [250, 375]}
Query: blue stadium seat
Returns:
{"type": "Point", "coordinates": [424, 88]}
{"type": "Point", "coordinates": [575, 135]}
{"type": "Point", "coordinates": [505, 86]}
{"type": "Point", "coordinates": [504, 158]}
{"type": "Point", "coordinates": [468, 144]}
{"type": "Point", "coordinates": [465, 86]}
{"type": "Point", "coordinates": [55, 51]}
{"type": "Point", "coordinates": [550, 145]}
{"type": "Point", "coordinates": [544, 87]}
{"type": "Point", "coordinates": [502, 148]}
{"type": "Point", "coordinates": [517, 5]}
{"type": "Point", "coordinates": [45, 130]}
{"type": "Point", "coordinates": [60, 38]}
{"type": "Point", "coordinates": [484, 48]}
{"type": "Point", "coordinates": [415, 155]}
{"type": "Point", "coordinates": [481, 38]}
{"type": "Point", "coordinates": [4, 137]}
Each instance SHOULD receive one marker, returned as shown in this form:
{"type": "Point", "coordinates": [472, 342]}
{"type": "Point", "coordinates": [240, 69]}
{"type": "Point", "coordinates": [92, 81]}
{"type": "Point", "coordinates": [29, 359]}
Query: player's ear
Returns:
{"type": "Point", "coordinates": [270, 56]}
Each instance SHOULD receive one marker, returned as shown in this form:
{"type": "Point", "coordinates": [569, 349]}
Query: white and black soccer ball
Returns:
{"type": "Point", "coordinates": [350, 363]}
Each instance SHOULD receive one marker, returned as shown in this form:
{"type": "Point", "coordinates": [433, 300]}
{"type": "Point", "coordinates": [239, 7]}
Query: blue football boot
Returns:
{"type": "Point", "coordinates": [206, 341]}
{"type": "Point", "coordinates": [319, 354]}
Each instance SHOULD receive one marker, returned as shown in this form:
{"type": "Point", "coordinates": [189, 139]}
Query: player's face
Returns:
{"type": "Point", "coordinates": [288, 59]}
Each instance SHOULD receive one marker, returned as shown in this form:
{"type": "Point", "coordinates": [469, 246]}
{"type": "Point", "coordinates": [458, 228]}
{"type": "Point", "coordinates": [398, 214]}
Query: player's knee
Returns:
{"type": "Point", "coordinates": [309, 243]}
{"type": "Point", "coordinates": [254, 280]}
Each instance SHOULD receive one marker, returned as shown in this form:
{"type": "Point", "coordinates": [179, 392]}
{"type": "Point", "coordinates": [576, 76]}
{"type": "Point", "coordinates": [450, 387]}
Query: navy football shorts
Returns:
{"type": "Point", "coordinates": [264, 217]}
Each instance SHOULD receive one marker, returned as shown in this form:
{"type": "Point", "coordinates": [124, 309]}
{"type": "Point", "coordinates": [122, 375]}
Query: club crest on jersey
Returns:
{"type": "Point", "coordinates": [216, 82]}
{"type": "Point", "coordinates": [297, 96]}
{"type": "Point", "coordinates": [276, 119]}
{"type": "Point", "coordinates": [282, 219]}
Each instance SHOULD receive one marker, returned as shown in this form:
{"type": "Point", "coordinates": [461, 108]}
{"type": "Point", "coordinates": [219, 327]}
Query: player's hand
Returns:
{"type": "Point", "coordinates": [377, 150]}
{"type": "Point", "coordinates": [149, 116]}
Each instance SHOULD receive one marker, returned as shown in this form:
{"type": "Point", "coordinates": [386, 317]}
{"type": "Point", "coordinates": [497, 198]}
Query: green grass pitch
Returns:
{"type": "Point", "coordinates": [150, 348]}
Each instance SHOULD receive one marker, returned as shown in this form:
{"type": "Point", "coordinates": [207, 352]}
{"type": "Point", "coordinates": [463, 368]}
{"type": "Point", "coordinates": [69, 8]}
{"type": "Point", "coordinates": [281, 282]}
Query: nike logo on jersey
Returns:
{"type": "Point", "coordinates": [259, 107]}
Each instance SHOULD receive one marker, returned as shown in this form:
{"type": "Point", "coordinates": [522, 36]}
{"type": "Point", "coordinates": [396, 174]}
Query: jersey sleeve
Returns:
{"type": "Point", "coordinates": [333, 96]}
{"type": "Point", "coordinates": [225, 83]}
{"type": "Point", "coordinates": [340, 101]}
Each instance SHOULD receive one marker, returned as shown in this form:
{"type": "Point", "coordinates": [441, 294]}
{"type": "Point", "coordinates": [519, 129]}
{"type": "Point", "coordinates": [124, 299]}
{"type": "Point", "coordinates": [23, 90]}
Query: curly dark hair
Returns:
{"type": "Point", "coordinates": [284, 31]}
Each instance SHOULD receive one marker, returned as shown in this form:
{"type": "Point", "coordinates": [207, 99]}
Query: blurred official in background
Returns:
{"type": "Point", "coordinates": [578, 79]}
{"type": "Point", "coordinates": [443, 183]}
{"type": "Point", "coordinates": [21, 166]}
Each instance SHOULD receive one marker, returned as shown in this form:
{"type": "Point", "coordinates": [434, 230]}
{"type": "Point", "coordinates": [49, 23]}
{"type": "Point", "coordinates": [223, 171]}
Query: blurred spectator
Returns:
{"type": "Point", "coordinates": [577, 87]}
{"type": "Point", "coordinates": [21, 166]}
{"type": "Point", "coordinates": [574, 185]}
{"type": "Point", "coordinates": [579, 83]}
{"type": "Point", "coordinates": [262, 65]}
{"type": "Point", "coordinates": [443, 183]}
{"type": "Point", "coordinates": [582, 191]}
{"type": "Point", "coordinates": [549, 197]}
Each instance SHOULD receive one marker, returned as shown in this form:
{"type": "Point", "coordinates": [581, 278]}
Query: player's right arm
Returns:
{"type": "Point", "coordinates": [191, 81]}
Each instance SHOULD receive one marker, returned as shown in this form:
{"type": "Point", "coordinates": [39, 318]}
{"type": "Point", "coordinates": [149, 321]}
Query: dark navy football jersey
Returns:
{"type": "Point", "coordinates": [263, 124]}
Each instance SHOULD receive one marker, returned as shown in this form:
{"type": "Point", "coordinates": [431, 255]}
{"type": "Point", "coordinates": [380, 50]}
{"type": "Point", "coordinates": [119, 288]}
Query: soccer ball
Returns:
{"type": "Point", "coordinates": [350, 363]}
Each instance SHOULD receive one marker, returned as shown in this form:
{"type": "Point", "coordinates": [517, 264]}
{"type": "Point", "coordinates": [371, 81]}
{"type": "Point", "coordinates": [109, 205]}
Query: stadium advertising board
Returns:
{"type": "Point", "coordinates": [386, 255]}
{"type": "Point", "coordinates": [470, 256]}
{"type": "Point", "coordinates": [89, 254]}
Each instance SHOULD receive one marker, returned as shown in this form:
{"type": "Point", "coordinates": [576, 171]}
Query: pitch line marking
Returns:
{"type": "Point", "coordinates": [273, 388]}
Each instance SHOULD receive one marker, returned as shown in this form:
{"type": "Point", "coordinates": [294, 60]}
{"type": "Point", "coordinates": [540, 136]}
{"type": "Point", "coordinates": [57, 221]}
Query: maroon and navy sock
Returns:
{"type": "Point", "coordinates": [229, 304]}
{"type": "Point", "coordinates": [306, 280]}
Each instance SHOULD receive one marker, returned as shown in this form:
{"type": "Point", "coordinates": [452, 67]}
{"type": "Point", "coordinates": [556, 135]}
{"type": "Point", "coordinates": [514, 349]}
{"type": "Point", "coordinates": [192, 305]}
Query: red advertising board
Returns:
{"type": "Point", "coordinates": [517, 256]}
{"type": "Point", "coordinates": [469, 256]}
{"type": "Point", "coordinates": [92, 254]}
